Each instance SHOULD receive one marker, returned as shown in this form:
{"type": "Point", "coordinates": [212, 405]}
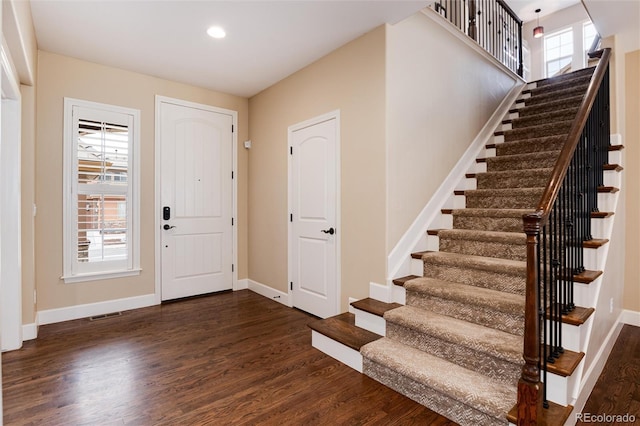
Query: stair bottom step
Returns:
{"type": "Point", "coordinates": [462, 395]}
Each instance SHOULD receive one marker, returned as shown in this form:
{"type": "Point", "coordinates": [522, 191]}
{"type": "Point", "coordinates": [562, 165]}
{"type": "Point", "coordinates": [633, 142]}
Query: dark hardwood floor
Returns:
{"type": "Point", "coordinates": [617, 391]}
{"type": "Point", "coordinates": [232, 358]}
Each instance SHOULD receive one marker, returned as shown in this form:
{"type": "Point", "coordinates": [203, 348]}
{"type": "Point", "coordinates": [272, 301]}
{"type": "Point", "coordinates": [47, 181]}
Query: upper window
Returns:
{"type": "Point", "coordinates": [558, 51]}
{"type": "Point", "coordinates": [101, 235]}
{"type": "Point", "coordinates": [588, 35]}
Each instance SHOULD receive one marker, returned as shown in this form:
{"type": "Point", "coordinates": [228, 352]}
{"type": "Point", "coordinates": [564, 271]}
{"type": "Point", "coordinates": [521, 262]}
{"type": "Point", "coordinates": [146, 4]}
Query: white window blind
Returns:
{"type": "Point", "coordinates": [101, 218]}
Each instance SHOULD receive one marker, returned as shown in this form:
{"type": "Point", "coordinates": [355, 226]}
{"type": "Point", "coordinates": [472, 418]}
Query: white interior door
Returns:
{"type": "Point", "coordinates": [196, 201]}
{"type": "Point", "coordinates": [314, 232]}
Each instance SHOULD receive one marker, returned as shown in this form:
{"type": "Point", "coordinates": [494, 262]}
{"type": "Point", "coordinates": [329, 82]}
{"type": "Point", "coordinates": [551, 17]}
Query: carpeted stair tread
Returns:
{"type": "Point", "coordinates": [545, 117]}
{"type": "Point", "coordinates": [557, 85]}
{"type": "Point", "coordinates": [505, 245]}
{"type": "Point", "coordinates": [564, 77]}
{"type": "Point", "coordinates": [557, 94]}
{"type": "Point", "coordinates": [460, 384]}
{"type": "Point", "coordinates": [514, 178]}
{"type": "Point", "coordinates": [527, 146]}
{"type": "Point", "coordinates": [480, 235]}
{"type": "Point", "coordinates": [511, 198]}
{"type": "Point", "coordinates": [505, 220]}
{"type": "Point", "coordinates": [480, 271]}
{"type": "Point", "coordinates": [538, 130]}
{"type": "Point", "coordinates": [522, 161]}
{"type": "Point", "coordinates": [563, 103]}
{"type": "Point", "coordinates": [463, 302]}
{"type": "Point", "coordinates": [498, 300]}
{"type": "Point", "coordinates": [496, 343]}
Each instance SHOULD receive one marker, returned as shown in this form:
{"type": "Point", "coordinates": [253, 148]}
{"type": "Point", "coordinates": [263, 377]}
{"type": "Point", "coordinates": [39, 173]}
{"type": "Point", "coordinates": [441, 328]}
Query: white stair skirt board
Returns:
{"type": "Point", "coordinates": [337, 350]}
{"type": "Point", "coordinates": [374, 323]}
{"type": "Point", "coordinates": [269, 293]}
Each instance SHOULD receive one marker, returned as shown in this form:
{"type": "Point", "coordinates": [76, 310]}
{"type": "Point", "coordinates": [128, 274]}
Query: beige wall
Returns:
{"type": "Point", "coordinates": [28, 187]}
{"type": "Point", "coordinates": [631, 298]}
{"type": "Point", "coordinates": [351, 79]}
{"type": "Point", "coordinates": [60, 77]}
{"type": "Point", "coordinates": [439, 96]}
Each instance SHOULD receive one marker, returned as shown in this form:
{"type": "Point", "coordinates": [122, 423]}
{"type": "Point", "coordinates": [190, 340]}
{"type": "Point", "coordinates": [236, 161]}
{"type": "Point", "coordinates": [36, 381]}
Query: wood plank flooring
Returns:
{"type": "Point", "coordinates": [232, 358]}
{"type": "Point", "coordinates": [617, 391]}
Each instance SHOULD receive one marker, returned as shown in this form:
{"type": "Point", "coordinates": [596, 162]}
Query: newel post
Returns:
{"type": "Point", "coordinates": [529, 392]}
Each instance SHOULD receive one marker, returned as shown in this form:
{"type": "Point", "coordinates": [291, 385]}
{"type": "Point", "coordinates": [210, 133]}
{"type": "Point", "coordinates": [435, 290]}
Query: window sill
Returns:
{"type": "Point", "coordinates": [100, 276]}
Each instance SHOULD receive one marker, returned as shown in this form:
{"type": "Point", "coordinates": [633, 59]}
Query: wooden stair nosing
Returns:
{"type": "Point", "coordinates": [616, 147]}
{"type": "Point", "coordinates": [470, 175]}
{"type": "Point", "coordinates": [555, 415]}
{"type": "Point", "coordinates": [446, 211]}
{"type": "Point", "coordinates": [419, 254]}
{"type": "Point", "coordinates": [595, 243]}
{"type": "Point", "coordinates": [458, 192]}
{"type": "Point", "coordinates": [342, 329]}
{"type": "Point", "coordinates": [586, 277]}
{"type": "Point", "coordinates": [577, 317]}
{"type": "Point", "coordinates": [566, 363]}
{"type": "Point", "coordinates": [374, 307]}
{"type": "Point", "coordinates": [613, 167]}
{"type": "Point", "coordinates": [402, 280]}
{"type": "Point", "coordinates": [433, 232]}
{"type": "Point", "coordinates": [601, 215]}
{"type": "Point", "coordinates": [607, 189]}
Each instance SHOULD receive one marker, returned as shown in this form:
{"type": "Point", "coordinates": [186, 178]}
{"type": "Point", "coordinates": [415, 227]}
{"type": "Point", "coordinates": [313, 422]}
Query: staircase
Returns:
{"type": "Point", "coordinates": [456, 346]}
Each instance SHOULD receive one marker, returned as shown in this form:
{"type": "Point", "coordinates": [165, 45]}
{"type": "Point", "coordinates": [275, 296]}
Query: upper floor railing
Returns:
{"type": "Point", "coordinates": [492, 24]}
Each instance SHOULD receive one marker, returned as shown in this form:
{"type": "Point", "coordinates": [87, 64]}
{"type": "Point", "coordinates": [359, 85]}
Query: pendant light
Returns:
{"type": "Point", "coordinates": [538, 31]}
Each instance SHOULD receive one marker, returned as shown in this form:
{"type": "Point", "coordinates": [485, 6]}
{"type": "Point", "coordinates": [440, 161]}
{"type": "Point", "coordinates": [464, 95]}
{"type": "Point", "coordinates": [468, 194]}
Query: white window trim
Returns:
{"type": "Point", "coordinates": [544, 49]}
{"type": "Point", "coordinates": [70, 198]}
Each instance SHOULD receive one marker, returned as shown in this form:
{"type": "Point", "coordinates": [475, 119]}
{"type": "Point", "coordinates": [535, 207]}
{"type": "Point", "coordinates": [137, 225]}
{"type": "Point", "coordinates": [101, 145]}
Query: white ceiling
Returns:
{"type": "Point", "coordinates": [266, 40]}
{"type": "Point", "coordinates": [526, 9]}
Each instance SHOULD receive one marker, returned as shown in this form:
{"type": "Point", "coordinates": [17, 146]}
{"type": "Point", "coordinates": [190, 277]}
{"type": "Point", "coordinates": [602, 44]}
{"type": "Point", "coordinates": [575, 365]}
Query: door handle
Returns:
{"type": "Point", "coordinates": [329, 231]}
{"type": "Point", "coordinates": [166, 227]}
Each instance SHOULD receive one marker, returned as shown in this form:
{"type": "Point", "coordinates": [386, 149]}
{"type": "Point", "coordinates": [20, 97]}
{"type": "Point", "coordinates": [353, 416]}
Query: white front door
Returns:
{"type": "Point", "coordinates": [196, 200]}
{"type": "Point", "coordinates": [314, 232]}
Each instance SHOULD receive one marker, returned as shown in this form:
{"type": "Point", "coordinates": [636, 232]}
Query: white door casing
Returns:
{"type": "Point", "coordinates": [314, 229]}
{"type": "Point", "coordinates": [196, 184]}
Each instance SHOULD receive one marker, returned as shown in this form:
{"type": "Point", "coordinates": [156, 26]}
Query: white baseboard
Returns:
{"type": "Point", "coordinates": [630, 317]}
{"type": "Point", "coordinates": [269, 292]}
{"type": "Point", "coordinates": [242, 284]}
{"type": "Point", "coordinates": [30, 331]}
{"type": "Point", "coordinates": [595, 369]}
{"type": "Point", "coordinates": [51, 316]}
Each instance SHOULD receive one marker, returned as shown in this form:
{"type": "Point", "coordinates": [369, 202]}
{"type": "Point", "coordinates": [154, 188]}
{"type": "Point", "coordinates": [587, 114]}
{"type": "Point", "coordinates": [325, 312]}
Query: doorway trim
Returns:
{"type": "Point", "coordinates": [332, 115]}
{"type": "Point", "coordinates": [157, 201]}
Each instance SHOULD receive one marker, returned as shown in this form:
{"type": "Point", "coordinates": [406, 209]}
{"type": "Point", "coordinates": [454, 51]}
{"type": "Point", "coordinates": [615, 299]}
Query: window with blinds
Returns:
{"type": "Point", "coordinates": [101, 198]}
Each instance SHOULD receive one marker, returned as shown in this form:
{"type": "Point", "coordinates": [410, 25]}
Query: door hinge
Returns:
{"type": "Point", "coordinates": [291, 217]}
{"type": "Point", "coordinates": [291, 150]}
{"type": "Point", "coordinates": [291, 285]}
{"type": "Point", "coordinates": [232, 128]}
{"type": "Point", "coordinates": [232, 222]}
{"type": "Point", "coordinates": [232, 174]}
{"type": "Point", "coordinates": [233, 268]}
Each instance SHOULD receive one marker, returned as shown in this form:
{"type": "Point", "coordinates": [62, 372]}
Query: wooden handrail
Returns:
{"type": "Point", "coordinates": [529, 396]}
{"type": "Point", "coordinates": [560, 170]}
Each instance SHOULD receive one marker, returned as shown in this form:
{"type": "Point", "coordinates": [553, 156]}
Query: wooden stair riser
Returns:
{"type": "Point", "coordinates": [488, 365]}
{"type": "Point", "coordinates": [480, 315]}
{"type": "Point", "coordinates": [500, 281]}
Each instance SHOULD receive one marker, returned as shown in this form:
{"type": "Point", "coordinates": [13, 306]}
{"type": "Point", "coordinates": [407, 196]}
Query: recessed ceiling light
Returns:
{"type": "Point", "coordinates": [216, 32]}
